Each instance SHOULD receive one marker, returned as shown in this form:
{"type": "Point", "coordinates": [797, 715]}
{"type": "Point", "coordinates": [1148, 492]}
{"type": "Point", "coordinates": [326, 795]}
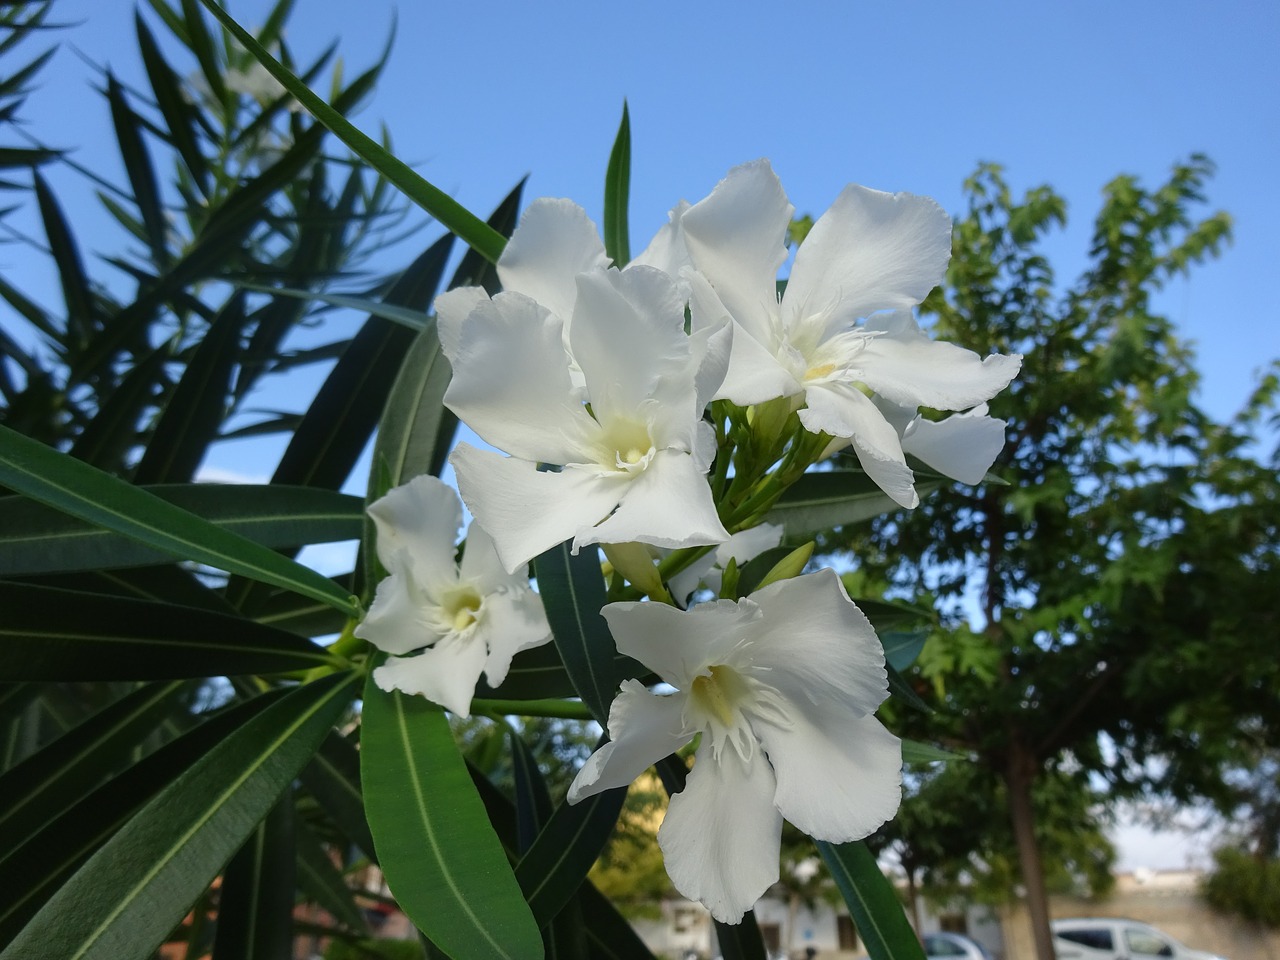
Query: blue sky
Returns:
{"type": "Point", "coordinates": [902, 96]}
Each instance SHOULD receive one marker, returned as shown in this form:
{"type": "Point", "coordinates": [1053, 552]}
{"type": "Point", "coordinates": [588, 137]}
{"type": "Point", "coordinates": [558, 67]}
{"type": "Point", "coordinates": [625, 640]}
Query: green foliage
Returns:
{"type": "Point", "coordinates": [1244, 884]}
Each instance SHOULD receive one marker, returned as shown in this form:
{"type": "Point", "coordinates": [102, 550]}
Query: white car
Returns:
{"type": "Point", "coordinates": [1113, 938]}
{"type": "Point", "coordinates": [952, 946]}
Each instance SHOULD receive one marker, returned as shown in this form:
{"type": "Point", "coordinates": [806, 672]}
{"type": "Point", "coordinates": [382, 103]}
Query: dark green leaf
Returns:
{"type": "Point", "coordinates": [557, 863]}
{"type": "Point", "coordinates": [916, 752]}
{"type": "Point", "coordinates": [179, 115]}
{"type": "Point", "coordinates": [436, 848]}
{"type": "Point", "coordinates": [320, 880]}
{"type": "Point", "coordinates": [44, 784]}
{"type": "Point", "coordinates": [138, 168]}
{"type": "Point", "coordinates": [901, 647]}
{"type": "Point", "coordinates": [820, 501]}
{"type": "Point", "coordinates": [255, 901]}
{"type": "Point", "coordinates": [333, 777]}
{"type": "Point", "coordinates": [51, 634]}
{"type": "Point", "coordinates": [617, 192]}
{"type": "Point", "coordinates": [82, 315]}
{"type": "Point", "coordinates": [573, 592]}
{"type": "Point", "coordinates": [109, 438]}
{"type": "Point", "coordinates": [40, 866]}
{"type": "Point", "coordinates": [872, 902]}
{"type": "Point", "coordinates": [470, 228]}
{"type": "Point", "coordinates": [32, 469]}
{"type": "Point", "coordinates": [741, 941]}
{"type": "Point", "coordinates": [197, 406]}
{"type": "Point", "coordinates": [137, 887]}
{"type": "Point", "coordinates": [37, 539]}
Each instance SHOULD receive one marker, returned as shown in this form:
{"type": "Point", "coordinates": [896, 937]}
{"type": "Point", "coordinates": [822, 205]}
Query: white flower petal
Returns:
{"type": "Point", "coordinates": [675, 644]}
{"type": "Point", "coordinates": [419, 521]}
{"type": "Point", "coordinates": [870, 251]}
{"type": "Point", "coordinates": [722, 834]}
{"type": "Point", "coordinates": [839, 774]}
{"type": "Point", "coordinates": [445, 674]}
{"type": "Point", "coordinates": [813, 643]}
{"type": "Point", "coordinates": [628, 338]}
{"type": "Point", "coordinates": [963, 446]}
{"type": "Point", "coordinates": [908, 368]}
{"type": "Point", "coordinates": [452, 308]}
{"type": "Point", "coordinates": [482, 566]}
{"type": "Point", "coordinates": [645, 727]}
{"type": "Point", "coordinates": [755, 375]}
{"type": "Point", "coordinates": [553, 243]}
{"type": "Point", "coordinates": [737, 238]}
{"type": "Point", "coordinates": [511, 382]}
{"type": "Point", "coordinates": [844, 411]}
{"type": "Point", "coordinates": [510, 621]}
{"type": "Point", "coordinates": [748, 544]}
{"type": "Point", "coordinates": [526, 511]}
{"type": "Point", "coordinates": [667, 250]}
{"type": "Point", "coordinates": [710, 346]}
{"type": "Point", "coordinates": [668, 505]}
{"type": "Point", "coordinates": [395, 622]}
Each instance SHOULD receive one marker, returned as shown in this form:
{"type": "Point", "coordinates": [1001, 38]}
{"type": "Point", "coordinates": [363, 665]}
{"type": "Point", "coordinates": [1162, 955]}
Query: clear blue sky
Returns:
{"type": "Point", "coordinates": [898, 96]}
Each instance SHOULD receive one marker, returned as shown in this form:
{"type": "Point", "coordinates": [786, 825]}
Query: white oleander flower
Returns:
{"type": "Point", "coordinates": [709, 570]}
{"type": "Point", "coordinates": [589, 370]}
{"type": "Point", "coordinates": [871, 257]}
{"type": "Point", "coordinates": [782, 686]}
{"type": "Point", "coordinates": [465, 618]}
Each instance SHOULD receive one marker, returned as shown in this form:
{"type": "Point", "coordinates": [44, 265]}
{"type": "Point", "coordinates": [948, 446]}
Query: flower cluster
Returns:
{"type": "Point", "coordinates": [669, 404]}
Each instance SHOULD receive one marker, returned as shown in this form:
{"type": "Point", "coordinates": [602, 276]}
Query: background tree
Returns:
{"type": "Point", "coordinates": [1092, 597]}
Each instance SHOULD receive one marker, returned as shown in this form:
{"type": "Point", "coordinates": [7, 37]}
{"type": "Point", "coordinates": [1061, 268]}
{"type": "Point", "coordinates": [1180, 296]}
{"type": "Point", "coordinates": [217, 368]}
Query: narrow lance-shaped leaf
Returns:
{"type": "Point", "coordinates": [52, 854]}
{"type": "Point", "coordinates": [820, 501]}
{"type": "Point", "coordinates": [617, 193]}
{"type": "Point", "coordinates": [138, 168]}
{"type": "Point", "coordinates": [435, 845]}
{"type": "Point", "coordinates": [195, 410]}
{"type": "Point", "coordinates": [573, 592]}
{"type": "Point", "coordinates": [137, 887]}
{"type": "Point", "coordinates": [36, 471]}
{"type": "Point", "coordinates": [52, 634]}
{"type": "Point", "coordinates": [471, 229]}
{"type": "Point", "coordinates": [46, 783]}
{"type": "Point", "coordinates": [321, 881]}
{"type": "Point", "coordinates": [872, 901]}
{"type": "Point", "coordinates": [255, 901]}
{"type": "Point", "coordinates": [39, 539]}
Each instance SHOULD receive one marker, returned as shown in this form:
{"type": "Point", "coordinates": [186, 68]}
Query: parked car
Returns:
{"type": "Point", "coordinates": [1114, 938]}
{"type": "Point", "coordinates": [953, 946]}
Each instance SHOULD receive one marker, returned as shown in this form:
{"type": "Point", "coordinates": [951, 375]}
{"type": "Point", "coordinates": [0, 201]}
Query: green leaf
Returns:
{"type": "Point", "coordinates": [901, 647]}
{"type": "Point", "coordinates": [179, 115]}
{"type": "Point", "coordinates": [137, 887]}
{"type": "Point", "coordinates": [556, 865]}
{"type": "Point", "coordinates": [573, 592]}
{"type": "Point", "coordinates": [741, 941]}
{"type": "Point", "coordinates": [138, 168]}
{"type": "Point", "coordinates": [39, 539]}
{"type": "Point", "coordinates": [617, 192]}
{"type": "Point", "coordinates": [109, 438]}
{"type": "Point", "coordinates": [52, 634]}
{"type": "Point", "coordinates": [82, 313]}
{"type": "Point", "coordinates": [915, 752]}
{"type": "Point", "coordinates": [872, 901]}
{"type": "Point", "coordinates": [32, 469]}
{"type": "Point", "coordinates": [320, 880]}
{"type": "Point", "coordinates": [197, 406]}
{"type": "Point", "coordinates": [436, 848]}
{"type": "Point", "coordinates": [470, 229]}
{"type": "Point", "coordinates": [900, 688]}
{"type": "Point", "coordinates": [52, 854]}
{"type": "Point", "coordinates": [538, 674]}
{"type": "Point", "coordinates": [44, 784]}
{"type": "Point", "coordinates": [255, 901]}
{"type": "Point", "coordinates": [833, 498]}
{"type": "Point", "coordinates": [333, 777]}
{"type": "Point", "coordinates": [415, 320]}
{"type": "Point", "coordinates": [337, 425]}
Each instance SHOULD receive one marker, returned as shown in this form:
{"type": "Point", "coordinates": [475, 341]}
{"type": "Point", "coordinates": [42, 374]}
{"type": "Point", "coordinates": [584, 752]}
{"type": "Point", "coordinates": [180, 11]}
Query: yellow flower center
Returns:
{"type": "Point", "coordinates": [717, 693]}
{"type": "Point", "coordinates": [820, 371]}
{"type": "Point", "coordinates": [464, 608]}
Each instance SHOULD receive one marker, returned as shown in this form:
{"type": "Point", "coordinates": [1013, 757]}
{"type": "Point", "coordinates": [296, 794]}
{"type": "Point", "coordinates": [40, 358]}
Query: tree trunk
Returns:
{"type": "Point", "coordinates": [913, 897]}
{"type": "Point", "coordinates": [1020, 774]}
